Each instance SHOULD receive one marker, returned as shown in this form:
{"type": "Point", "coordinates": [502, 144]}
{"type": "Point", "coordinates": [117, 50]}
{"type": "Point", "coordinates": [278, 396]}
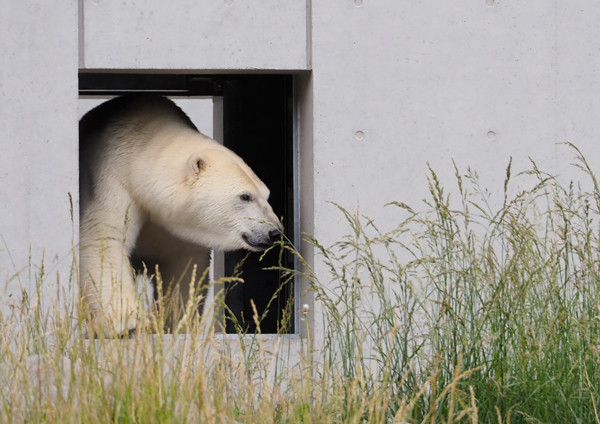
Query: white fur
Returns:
{"type": "Point", "coordinates": [147, 172]}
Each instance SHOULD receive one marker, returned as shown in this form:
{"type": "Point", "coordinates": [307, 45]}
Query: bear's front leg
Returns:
{"type": "Point", "coordinates": [108, 229]}
{"type": "Point", "coordinates": [108, 288]}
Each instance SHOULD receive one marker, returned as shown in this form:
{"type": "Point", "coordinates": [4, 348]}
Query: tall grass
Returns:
{"type": "Point", "coordinates": [478, 314]}
{"type": "Point", "coordinates": [459, 312]}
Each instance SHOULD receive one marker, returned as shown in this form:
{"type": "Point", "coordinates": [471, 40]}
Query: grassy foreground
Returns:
{"type": "Point", "coordinates": [458, 313]}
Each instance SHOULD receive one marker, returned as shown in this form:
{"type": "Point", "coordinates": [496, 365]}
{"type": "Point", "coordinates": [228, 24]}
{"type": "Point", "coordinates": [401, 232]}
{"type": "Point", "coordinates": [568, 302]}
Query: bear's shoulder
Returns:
{"type": "Point", "coordinates": [132, 107]}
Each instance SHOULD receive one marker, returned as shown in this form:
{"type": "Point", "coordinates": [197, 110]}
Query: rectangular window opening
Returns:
{"type": "Point", "coordinates": [254, 116]}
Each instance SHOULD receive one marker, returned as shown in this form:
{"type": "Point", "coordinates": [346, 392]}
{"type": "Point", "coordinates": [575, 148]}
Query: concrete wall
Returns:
{"type": "Point", "coordinates": [194, 35]}
{"type": "Point", "coordinates": [384, 88]}
{"type": "Point", "coordinates": [38, 139]}
{"type": "Point", "coordinates": [398, 84]}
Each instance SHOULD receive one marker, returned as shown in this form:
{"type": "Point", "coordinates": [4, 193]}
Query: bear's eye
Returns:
{"type": "Point", "coordinates": [245, 197]}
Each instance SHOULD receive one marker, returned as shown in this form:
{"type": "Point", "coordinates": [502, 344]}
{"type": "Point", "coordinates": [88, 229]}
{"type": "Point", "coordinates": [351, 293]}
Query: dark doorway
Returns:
{"type": "Point", "coordinates": [258, 113]}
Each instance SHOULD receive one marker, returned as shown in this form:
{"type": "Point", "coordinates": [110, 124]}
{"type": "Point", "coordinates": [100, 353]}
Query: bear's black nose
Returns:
{"type": "Point", "coordinates": [274, 235]}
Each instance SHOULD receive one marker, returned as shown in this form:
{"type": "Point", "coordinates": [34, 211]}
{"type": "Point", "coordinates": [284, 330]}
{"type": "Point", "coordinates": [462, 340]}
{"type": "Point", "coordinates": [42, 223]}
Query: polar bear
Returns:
{"type": "Point", "coordinates": [154, 187]}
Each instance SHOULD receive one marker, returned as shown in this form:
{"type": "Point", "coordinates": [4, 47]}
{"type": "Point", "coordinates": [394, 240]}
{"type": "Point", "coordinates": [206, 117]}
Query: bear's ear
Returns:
{"type": "Point", "coordinates": [196, 165]}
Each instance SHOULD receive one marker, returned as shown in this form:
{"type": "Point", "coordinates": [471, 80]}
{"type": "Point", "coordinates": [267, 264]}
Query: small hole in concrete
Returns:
{"type": "Point", "coordinates": [359, 135]}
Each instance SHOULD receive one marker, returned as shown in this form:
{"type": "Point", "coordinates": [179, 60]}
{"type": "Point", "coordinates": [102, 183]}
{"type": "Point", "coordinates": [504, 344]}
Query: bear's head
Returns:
{"type": "Point", "coordinates": [209, 196]}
